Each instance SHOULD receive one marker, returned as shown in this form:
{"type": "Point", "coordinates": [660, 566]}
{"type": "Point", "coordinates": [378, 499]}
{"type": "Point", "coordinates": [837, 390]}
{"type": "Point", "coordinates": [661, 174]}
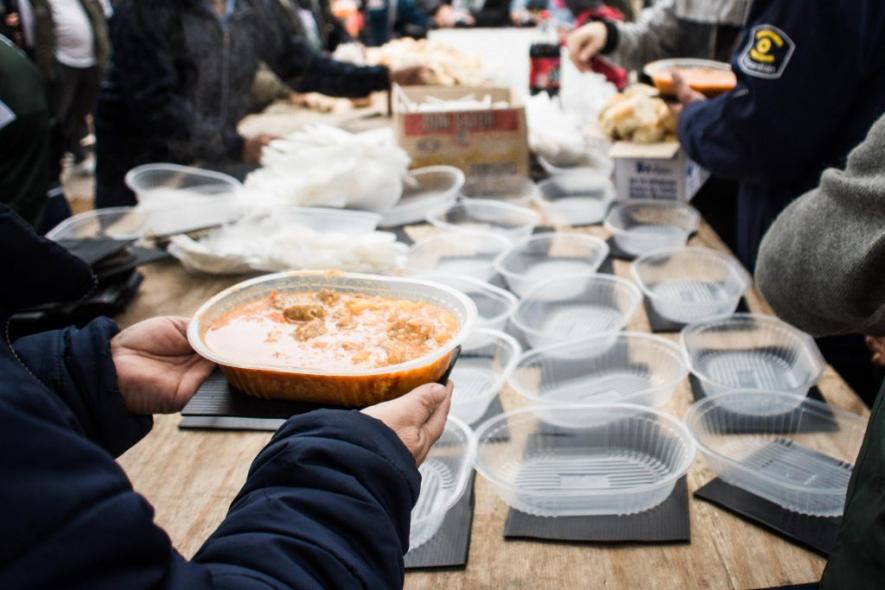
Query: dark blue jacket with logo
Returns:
{"type": "Point", "coordinates": [811, 82]}
{"type": "Point", "coordinates": [326, 504]}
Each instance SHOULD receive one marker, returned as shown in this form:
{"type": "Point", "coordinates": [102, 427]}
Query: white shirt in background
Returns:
{"type": "Point", "coordinates": [74, 39]}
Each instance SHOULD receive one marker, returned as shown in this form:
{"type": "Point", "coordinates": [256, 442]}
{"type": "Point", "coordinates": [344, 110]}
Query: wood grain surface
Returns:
{"type": "Point", "coordinates": [191, 477]}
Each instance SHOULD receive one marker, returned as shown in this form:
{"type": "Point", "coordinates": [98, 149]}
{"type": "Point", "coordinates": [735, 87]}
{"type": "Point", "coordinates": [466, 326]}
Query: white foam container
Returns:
{"type": "Point", "coordinates": [642, 226]}
{"type": "Point", "coordinates": [788, 449]}
{"type": "Point", "coordinates": [568, 308]}
{"type": "Point", "coordinates": [445, 475]}
{"type": "Point", "coordinates": [691, 284]}
{"type": "Point", "coordinates": [615, 459]}
{"type": "Point", "coordinates": [547, 256]}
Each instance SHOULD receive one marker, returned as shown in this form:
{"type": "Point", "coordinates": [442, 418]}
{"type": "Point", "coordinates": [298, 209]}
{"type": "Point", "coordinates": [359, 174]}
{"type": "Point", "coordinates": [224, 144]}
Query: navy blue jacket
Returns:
{"type": "Point", "coordinates": [326, 504]}
{"type": "Point", "coordinates": [811, 83]}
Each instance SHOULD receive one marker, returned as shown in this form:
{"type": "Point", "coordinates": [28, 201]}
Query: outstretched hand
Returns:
{"type": "Point", "coordinates": [418, 418]}
{"type": "Point", "coordinates": [685, 94]}
{"type": "Point", "coordinates": [877, 346]}
{"type": "Point", "coordinates": [157, 370]}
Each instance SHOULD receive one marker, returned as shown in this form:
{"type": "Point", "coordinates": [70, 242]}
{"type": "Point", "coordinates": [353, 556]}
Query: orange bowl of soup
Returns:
{"type": "Point", "coordinates": [706, 76]}
{"type": "Point", "coordinates": [332, 338]}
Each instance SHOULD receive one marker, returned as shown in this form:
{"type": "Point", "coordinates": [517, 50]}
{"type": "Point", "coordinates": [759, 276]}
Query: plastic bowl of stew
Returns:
{"type": "Point", "coordinates": [273, 379]}
{"type": "Point", "coordinates": [706, 76]}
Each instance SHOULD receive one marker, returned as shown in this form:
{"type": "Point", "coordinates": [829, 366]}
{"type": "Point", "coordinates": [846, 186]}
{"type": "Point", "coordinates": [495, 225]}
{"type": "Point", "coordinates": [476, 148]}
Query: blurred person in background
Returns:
{"type": "Point", "coordinates": [673, 29]}
{"type": "Point", "coordinates": [785, 123]}
{"type": "Point", "coordinates": [326, 504]}
{"type": "Point", "coordinates": [463, 13]}
{"type": "Point", "coordinates": [27, 184]}
{"type": "Point", "coordinates": [822, 268]}
{"type": "Point", "coordinates": [385, 20]}
{"type": "Point", "coordinates": [179, 78]}
{"type": "Point", "coordinates": [529, 13]}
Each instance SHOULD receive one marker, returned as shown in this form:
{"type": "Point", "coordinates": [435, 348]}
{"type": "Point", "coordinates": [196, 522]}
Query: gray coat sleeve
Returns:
{"type": "Point", "coordinates": [822, 264]}
{"type": "Point", "coordinates": [651, 37]}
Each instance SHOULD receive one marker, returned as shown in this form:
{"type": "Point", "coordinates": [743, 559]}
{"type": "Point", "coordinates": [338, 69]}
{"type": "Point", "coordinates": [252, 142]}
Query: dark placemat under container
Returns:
{"type": "Point", "coordinates": [667, 522]}
{"type": "Point", "coordinates": [812, 532]}
{"type": "Point", "coordinates": [661, 325]}
{"type": "Point", "coordinates": [615, 250]}
{"type": "Point", "coordinates": [449, 547]}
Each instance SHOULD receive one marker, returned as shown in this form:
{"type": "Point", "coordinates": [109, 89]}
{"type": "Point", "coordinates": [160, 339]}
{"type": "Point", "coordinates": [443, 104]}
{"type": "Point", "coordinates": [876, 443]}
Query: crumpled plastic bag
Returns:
{"type": "Point", "coordinates": [323, 166]}
{"type": "Point", "coordinates": [266, 243]}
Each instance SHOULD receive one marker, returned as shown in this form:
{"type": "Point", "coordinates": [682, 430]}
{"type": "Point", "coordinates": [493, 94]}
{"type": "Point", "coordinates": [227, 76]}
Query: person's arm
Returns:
{"type": "Point", "coordinates": [654, 35]}
{"type": "Point", "coordinates": [76, 365]}
{"type": "Point", "coordinates": [792, 92]}
{"type": "Point", "coordinates": [306, 70]}
{"type": "Point", "coordinates": [822, 264]}
{"type": "Point", "coordinates": [142, 37]}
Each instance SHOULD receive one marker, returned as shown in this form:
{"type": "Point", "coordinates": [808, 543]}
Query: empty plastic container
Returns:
{"type": "Point", "coordinates": [494, 305]}
{"type": "Point", "coordinates": [122, 223]}
{"type": "Point", "coordinates": [625, 459]}
{"type": "Point", "coordinates": [595, 160]}
{"type": "Point", "coordinates": [180, 199]}
{"type": "Point", "coordinates": [549, 256]}
{"type": "Point", "coordinates": [746, 352]}
{"type": "Point", "coordinates": [487, 359]}
{"type": "Point", "coordinates": [320, 219]}
{"type": "Point", "coordinates": [691, 284]}
{"type": "Point", "coordinates": [512, 189]}
{"type": "Point", "coordinates": [643, 226]}
{"type": "Point", "coordinates": [510, 221]}
{"type": "Point", "coordinates": [424, 188]}
{"type": "Point", "coordinates": [567, 308]}
{"type": "Point", "coordinates": [623, 368]}
{"type": "Point", "coordinates": [791, 450]}
{"type": "Point", "coordinates": [470, 254]}
{"type": "Point", "coordinates": [445, 474]}
{"type": "Point", "coordinates": [580, 198]}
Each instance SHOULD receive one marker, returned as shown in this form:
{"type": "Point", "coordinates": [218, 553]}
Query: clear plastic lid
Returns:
{"type": "Point", "coordinates": [423, 189]}
{"type": "Point", "coordinates": [791, 450]}
{"type": "Point", "coordinates": [691, 284]}
{"type": "Point", "coordinates": [122, 223]}
{"type": "Point", "coordinates": [549, 256]}
{"type": "Point", "coordinates": [152, 181]}
{"type": "Point", "coordinates": [573, 307]}
{"type": "Point", "coordinates": [621, 368]}
{"type": "Point", "coordinates": [470, 254]}
{"type": "Point", "coordinates": [613, 459]}
{"type": "Point", "coordinates": [510, 221]}
{"type": "Point", "coordinates": [445, 474]}
{"type": "Point", "coordinates": [579, 198]}
{"type": "Point", "coordinates": [486, 361]}
{"type": "Point", "coordinates": [321, 219]}
{"type": "Point", "coordinates": [494, 305]}
{"type": "Point", "coordinates": [643, 226]}
{"type": "Point", "coordinates": [749, 352]}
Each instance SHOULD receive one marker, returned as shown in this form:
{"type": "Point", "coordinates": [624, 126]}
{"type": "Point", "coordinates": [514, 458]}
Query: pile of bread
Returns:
{"type": "Point", "coordinates": [640, 115]}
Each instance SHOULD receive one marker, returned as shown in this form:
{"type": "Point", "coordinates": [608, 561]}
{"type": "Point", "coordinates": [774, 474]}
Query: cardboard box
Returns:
{"type": "Point", "coordinates": [655, 171]}
{"type": "Point", "coordinates": [482, 143]}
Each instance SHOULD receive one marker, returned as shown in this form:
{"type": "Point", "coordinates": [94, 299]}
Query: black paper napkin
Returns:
{"type": "Point", "coordinates": [667, 522]}
{"type": "Point", "coordinates": [449, 547]}
{"type": "Point", "coordinates": [813, 532]}
{"type": "Point", "coordinates": [616, 251]}
{"type": "Point", "coordinates": [660, 324]}
{"type": "Point", "coordinates": [94, 250]}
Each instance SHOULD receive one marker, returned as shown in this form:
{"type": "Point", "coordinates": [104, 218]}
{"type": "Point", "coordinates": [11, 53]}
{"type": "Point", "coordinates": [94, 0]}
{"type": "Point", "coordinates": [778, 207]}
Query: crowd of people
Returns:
{"type": "Point", "coordinates": [795, 150]}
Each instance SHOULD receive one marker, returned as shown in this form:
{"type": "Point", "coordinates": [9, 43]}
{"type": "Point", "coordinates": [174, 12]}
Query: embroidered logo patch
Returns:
{"type": "Point", "coordinates": [768, 52]}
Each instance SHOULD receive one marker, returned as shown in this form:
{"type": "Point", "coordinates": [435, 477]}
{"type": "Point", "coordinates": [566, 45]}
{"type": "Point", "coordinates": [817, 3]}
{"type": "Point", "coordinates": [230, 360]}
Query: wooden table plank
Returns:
{"type": "Point", "coordinates": [191, 477]}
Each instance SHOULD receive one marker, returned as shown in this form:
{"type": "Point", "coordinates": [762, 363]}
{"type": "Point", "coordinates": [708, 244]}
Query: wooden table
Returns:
{"type": "Point", "coordinates": [191, 477]}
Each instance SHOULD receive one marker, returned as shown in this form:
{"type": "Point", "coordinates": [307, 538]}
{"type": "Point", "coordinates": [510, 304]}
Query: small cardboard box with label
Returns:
{"type": "Point", "coordinates": [482, 142]}
{"type": "Point", "coordinates": [655, 171]}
